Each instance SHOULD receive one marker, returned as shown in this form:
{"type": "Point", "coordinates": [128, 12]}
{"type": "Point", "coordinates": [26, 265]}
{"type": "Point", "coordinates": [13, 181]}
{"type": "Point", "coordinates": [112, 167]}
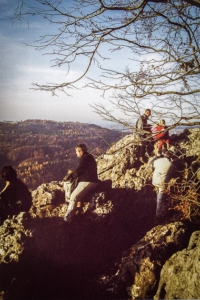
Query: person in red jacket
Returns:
{"type": "Point", "coordinates": [86, 173]}
{"type": "Point", "coordinates": [160, 135]}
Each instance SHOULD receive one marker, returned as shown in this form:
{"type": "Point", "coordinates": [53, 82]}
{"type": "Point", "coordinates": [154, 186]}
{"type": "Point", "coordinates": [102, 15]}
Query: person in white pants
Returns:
{"type": "Point", "coordinates": [87, 179]}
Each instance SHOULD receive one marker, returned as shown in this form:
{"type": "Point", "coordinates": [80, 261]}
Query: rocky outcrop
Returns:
{"type": "Point", "coordinates": [120, 162]}
{"type": "Point", "coordinates": [13, 235]}
{"type": "Point", "coordinates": [49, 200]}
{"type": "Point", "coordinates": [47, 258]}
{"type": "Point", "coordinates": [180, 275]}
{"type": "Point", "coordinates": [42, 257]}
{"type": "Point", "coordinates": [138, 272]}
{"type": "Point", "coordinates": [190, 144]}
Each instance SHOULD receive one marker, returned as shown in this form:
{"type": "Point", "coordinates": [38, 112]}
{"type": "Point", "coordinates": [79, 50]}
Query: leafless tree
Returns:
{"type": "Point", "coordinates": [146, 53]}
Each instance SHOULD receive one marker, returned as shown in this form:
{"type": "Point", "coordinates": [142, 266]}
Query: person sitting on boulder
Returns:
{"type": "Point", "coordinates": [86, 173]}
{"type": "Point", "coordinates": [15, 197]}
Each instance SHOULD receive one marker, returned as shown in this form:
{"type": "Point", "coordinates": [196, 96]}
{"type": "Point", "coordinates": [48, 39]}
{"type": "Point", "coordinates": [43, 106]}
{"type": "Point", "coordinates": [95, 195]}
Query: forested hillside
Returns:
{"type": "Point", "coordinates": [43, 151]}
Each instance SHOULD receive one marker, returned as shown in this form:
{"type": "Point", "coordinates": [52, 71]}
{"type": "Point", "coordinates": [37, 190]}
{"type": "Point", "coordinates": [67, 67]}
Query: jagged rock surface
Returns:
{"type": "Point", "coordinates": [138, 273]}
{"type": "Point", "coordinates": [13, 235]}
{"type": "Point", "coordinates": [180, 275]}
{"type": "Point", "coordinates": [120, 162]}
{"type": "Point", "coordinates": [57, 260]}
{"type": "Point", "coordinates": [49, 201]}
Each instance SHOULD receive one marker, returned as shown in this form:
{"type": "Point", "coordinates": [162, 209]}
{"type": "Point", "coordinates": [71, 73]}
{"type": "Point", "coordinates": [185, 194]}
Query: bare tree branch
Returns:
{"type": "Point", "coordinates": [157, 43]}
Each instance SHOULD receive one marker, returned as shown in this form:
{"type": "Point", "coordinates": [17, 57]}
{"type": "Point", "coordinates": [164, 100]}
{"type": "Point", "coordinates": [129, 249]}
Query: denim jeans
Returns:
{"type": "Point", "coordinates": [160, 208]}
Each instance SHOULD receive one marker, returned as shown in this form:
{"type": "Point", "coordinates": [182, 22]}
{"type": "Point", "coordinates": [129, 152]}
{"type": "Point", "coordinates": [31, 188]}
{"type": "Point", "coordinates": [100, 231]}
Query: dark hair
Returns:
{"type": "Point", "coordinates": [163, 121]}
{"type": "Point", "coordinates": [82, 146]}
{"type": "Point", "coordinates": [168, 153]}
{"type": "Point", "coordinates": [8, 173]}
{"type": "Point", "coordinates": [159, 153]}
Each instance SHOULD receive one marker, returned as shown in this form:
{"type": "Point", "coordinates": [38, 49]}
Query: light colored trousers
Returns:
{"type": "Point", "coordinates": [82, 189]}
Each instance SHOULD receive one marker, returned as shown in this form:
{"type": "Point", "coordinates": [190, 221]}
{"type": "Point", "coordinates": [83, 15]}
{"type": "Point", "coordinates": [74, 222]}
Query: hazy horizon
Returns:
{"type": "Point", "coordinates": [21, 66]}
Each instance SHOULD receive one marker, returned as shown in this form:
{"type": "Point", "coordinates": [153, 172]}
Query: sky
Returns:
{"type": "Point", "coordinates": [22, 65]}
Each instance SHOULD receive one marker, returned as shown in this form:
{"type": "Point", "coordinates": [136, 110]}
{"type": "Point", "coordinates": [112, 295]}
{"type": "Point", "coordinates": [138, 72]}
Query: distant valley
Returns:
{"type": "Point", "coordinates": [42, 151]}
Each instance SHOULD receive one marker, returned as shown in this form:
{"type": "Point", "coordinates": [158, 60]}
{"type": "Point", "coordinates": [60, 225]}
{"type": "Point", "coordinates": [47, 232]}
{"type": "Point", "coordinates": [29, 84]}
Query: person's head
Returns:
{"type": "Point", "coordinates": [159, 153]}
{"type": "Point", "coordinates": [80, 150]}
{"type": "Point", "coordinates": [8, 173]}
{"type": "Point", "coordinates": [168, 154]}
{"type": "Point", "coordinates": [147, 112]}
{"type": "Point", "coordinates": [162, 122]}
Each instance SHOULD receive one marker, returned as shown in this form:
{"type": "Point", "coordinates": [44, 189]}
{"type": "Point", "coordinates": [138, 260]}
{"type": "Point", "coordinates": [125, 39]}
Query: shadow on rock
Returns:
{"type": "Point", "coordinates": [65, 261]}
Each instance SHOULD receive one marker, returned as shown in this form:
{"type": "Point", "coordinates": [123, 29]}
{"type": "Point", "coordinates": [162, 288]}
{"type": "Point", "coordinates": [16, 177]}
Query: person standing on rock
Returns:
{"type": "Point", "coordinates": [163, 172]}
{"type": "Point", "coordinates": [160, 135]}
{"type": "Point", "coordinates": [143, 130]}
{"type": "Point", "coordinates": [86, 172]}
{"type": "Point", "coordinates": [15, 197]}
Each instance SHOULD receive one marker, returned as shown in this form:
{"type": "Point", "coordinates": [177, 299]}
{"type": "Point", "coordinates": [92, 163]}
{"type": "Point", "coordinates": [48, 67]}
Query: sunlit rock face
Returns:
{"type": "Point", "coordinates": [120, 164]}
{"type": "Point", "coordinates": [13, 236]}
{"type": "Point", "coordinates": [138, 272]}
{"type": "Point", "coordinates": [180, 275]}
{"type": "Point", "coordinates": [49, 201]}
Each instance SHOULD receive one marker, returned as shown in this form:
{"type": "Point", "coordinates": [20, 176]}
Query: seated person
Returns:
{"type": "Point", "coordinates": [86, 175]}
{"type": "Point", "coordinates": [15, 197]}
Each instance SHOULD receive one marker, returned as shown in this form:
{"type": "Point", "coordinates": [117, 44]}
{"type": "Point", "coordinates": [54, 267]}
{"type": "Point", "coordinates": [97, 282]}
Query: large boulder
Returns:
{"type": "Point", "coordinates": [49, 200]}
{"type": "Point", "coordinates": [180, 275]}
{"type": "Point", "coordinates": [120, 164]}
{"type": "Point", "coordinates": [138, 273]}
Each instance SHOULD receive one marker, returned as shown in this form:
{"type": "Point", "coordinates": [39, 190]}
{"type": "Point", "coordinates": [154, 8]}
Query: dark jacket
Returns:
{"type": "Point", "coordinates": [86, 170]}
{"type": "Point", "coordinates": [142, 124]}
{"type": "Point", "coordinates": [15, 198]}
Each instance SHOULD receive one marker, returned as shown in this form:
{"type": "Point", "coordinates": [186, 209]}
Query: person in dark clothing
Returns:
{"type": "Point", "coordinates": [143, 130]}
{"type": "Point", "coordinates": [15, 197]}
{"type": "Point", "coordinates": [86, 173]}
